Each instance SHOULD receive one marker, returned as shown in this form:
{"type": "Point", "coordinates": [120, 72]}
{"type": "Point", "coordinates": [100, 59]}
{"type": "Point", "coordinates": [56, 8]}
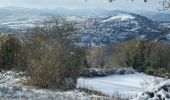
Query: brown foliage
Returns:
{"type": "Point", "coordinates": [99, 57]}
{"type": "Point", "coordinates": [145, 55]}
{"type": "Point", "coordinates": [55, 61]}
{"type": "Point", "coordinates": [12, 53]}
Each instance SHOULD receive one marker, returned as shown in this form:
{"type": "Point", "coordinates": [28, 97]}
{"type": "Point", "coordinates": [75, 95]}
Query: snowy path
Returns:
{"type": "Point", "coordinates": [126, 85]}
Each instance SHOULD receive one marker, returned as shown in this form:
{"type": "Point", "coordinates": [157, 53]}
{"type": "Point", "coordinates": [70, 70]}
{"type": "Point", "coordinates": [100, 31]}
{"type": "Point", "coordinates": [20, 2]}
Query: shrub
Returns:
{"type": "Point", "coordinates": [150, 71]}
{"type": "Point", "coordinates": [55, 62]}
{"type": "Point", "coordinates": [11, 53]}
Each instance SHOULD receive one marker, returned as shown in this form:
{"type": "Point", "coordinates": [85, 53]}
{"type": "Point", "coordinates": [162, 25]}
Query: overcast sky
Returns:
{"type": "Point", "coordinates": [152, 5]}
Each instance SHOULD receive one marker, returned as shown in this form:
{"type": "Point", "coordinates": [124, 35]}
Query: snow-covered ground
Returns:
{"type": "Point", "coordinates": [12, 88]}
{"type": "Point", "coordinates": [126, 85]}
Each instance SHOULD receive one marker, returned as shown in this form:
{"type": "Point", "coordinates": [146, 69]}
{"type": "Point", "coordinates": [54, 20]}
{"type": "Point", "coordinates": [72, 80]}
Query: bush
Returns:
{"type": "Point", "coordinates": [150, 71]}
{"type": "Point", "coordinates": [11, 53]}
{"type": "Point", "coordinates": [55, 62]}
{"type": "Point", "coordinates": [52, 71]}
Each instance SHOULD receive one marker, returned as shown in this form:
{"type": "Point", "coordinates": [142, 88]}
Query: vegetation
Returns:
{"type": "Point", "coordinates": [49, 55]}
{"type": "Point", "coordinates": [56, 62]}
{"type": "Point", "coordinates": [11, 53]}
{"type": "Point", "coordinates": [103, 57]}
{"type": "Point", "coordinates": [145, 56]}
{"type": "Point", "coordinates": [142, 55]}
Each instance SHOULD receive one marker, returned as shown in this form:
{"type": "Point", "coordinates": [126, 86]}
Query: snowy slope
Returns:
{"type": "Point", "coordinates": [102, 29]}
{"type": "Point", "coordinates": [126, 85]}
{"type": "Point", "coordinates": [121, 17]}
{"type": "Point", "coordinates": [115, 27]}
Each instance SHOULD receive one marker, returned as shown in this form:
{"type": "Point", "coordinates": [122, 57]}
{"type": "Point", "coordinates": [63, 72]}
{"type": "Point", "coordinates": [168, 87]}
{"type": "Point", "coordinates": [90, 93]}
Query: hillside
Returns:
{"type": "Point", "coordinates": [96, 28]}
{"type": "Point", "coordinates": [115, 27]}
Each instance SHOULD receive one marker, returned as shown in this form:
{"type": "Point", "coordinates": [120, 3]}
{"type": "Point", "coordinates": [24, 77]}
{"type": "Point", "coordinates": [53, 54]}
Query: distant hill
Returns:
{"type": "Point", "coordinates": [116, 26]}
{"type": "Point", "coordinates": [161, 16]}
{"type": "Point", "coordinates": [96, 26]}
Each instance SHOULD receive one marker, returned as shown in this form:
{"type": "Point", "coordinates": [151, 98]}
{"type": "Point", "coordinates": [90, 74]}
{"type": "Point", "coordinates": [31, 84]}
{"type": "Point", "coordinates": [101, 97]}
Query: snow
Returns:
{"type": "Point", "coordinates": [75, 18]}
{"type": "Point", "coordinates": [122, 17]}
{"type": "Point", "coordinates": [126, 85]}
{"type": "Point", "coordinates": [168, 36]}
{"type": "Point", "coordinates": [158, 91]}
{"type": "Point", "coordinates": [12, 88]}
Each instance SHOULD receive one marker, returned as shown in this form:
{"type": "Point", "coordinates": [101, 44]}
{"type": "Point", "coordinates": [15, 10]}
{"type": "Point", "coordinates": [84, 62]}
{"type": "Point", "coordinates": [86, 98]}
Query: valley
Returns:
{"type": "Point", "coordinates": [61, 54]}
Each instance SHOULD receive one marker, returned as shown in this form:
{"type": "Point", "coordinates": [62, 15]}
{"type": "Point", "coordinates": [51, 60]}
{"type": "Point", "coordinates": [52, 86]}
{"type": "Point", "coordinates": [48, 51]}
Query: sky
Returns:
{"type": "Point", "coordinates": [151, 5]}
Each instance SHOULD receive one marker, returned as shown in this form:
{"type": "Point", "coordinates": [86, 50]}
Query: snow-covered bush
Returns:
{"type": "Point", "coordinates": [101, 72]}
{"type": "Point", "coordinates": [160, 91]}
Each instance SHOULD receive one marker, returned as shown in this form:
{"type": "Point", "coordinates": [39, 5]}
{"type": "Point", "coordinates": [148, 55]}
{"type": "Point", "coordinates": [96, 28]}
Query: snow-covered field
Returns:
{"type": "Point", "coordinates": [125, 85]}
{"type": "Point", "coordinates": [12, 88]}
